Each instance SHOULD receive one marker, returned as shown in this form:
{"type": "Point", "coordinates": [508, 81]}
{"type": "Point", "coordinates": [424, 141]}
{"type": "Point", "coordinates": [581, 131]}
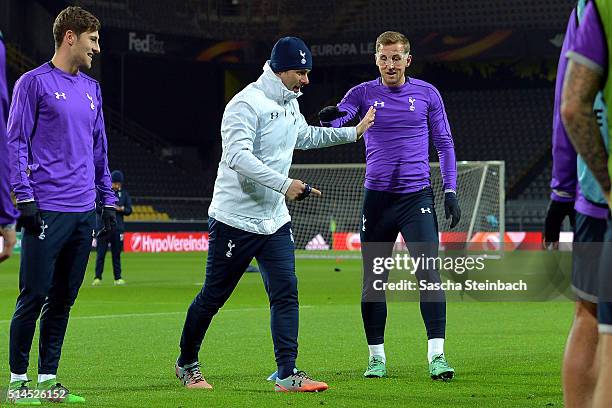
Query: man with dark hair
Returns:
{"type": "Point", "coordinates": [248, 216]}
{"type": "Point", "coordinates": [123, 209]}
{"type": "Point", "coordinates": [58, 162]}
{"type": "Point", "coordinates": [8, 213]}
{"type": "Point", "coordinates": [398, 194]}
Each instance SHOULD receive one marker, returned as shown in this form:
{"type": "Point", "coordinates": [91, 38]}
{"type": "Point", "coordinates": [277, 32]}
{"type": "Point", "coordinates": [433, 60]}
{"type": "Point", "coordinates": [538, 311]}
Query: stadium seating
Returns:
{"type": "Point", "coordinates": [538, 189]}
{"type": "Point", "coordinates": [510, 124]}
{"type": "Point", "coordinates": [324, 19]}
{"type": "Point", "coordinates": [147, 213]}
{"type": "Point", "coordinates": [454, 16]}
{"type": "Point", "coordinates": [526, 215]}
{"type": "Point", "coordinates": [165, 191]}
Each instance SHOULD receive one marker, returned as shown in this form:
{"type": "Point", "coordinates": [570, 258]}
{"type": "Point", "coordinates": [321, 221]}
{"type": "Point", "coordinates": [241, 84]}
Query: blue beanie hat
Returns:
{"type": "Point", "coordinates": [117, 176]}
{"type": "Point", "coordinates": [290, 53]}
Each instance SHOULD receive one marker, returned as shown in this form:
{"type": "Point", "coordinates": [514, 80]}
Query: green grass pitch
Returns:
{"type": "Point", "coordinates": [122, 343]}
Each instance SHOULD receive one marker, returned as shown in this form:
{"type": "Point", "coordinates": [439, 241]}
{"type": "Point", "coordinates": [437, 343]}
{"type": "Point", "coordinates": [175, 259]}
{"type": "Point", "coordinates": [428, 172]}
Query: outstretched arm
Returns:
{"type": "Point", "coordinates": [349, 107]}
{"type": "Point", "coordinates": [315, 137]}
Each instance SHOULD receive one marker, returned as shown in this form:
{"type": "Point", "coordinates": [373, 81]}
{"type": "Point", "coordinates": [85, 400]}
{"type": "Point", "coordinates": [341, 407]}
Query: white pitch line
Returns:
{"type": "Point", "coordinates": [124, 315]}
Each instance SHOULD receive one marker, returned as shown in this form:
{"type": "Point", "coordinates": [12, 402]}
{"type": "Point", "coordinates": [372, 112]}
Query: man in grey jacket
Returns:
{"type": "Point", "coordinates": [248, 217]}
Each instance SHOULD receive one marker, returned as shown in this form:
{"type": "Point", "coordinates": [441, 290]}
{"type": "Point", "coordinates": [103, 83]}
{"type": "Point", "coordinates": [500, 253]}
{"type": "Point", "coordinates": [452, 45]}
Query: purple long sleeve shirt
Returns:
{"type": "Point", "coordinates": [8, 213]}
{"type": "Point", "coordinates": [564, 170]}
{"type": "Point", "coordinates": [397, 145]}
{"type": "Point", "coordinates": [57, 141]}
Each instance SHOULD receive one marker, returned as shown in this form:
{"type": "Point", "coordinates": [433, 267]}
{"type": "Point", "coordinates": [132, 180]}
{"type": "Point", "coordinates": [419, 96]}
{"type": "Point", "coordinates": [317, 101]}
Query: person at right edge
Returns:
{"type": "Point", "coordinates": [398, 193]}
{"type": "Point", "coordinates": [572, 179]}
{"type": "Point", "coordinates": [588, 73]}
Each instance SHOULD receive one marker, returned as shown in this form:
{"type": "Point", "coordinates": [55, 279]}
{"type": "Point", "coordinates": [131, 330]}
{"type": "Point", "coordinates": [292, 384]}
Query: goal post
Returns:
{"type": "Point", "coordinates": [336, 215]}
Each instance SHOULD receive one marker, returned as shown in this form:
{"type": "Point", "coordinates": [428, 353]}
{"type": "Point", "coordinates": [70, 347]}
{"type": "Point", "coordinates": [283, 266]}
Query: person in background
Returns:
{"type": "Point", "coordinates": [123, 208]}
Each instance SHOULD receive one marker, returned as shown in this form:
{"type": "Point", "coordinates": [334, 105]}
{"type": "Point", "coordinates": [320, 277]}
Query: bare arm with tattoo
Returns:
{"type": "Point", "coordinates": [579, 90]}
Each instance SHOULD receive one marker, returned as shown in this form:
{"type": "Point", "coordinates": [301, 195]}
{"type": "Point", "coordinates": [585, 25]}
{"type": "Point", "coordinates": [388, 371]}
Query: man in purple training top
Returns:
{"type": "Point", "coordinates": [8, 213]}
{"type": "Point", "coordinates": [398, 193]}
{"type": "Point", "coordinates": [58, 160]}
{"type": "Point", "coordinates": [591, 212]}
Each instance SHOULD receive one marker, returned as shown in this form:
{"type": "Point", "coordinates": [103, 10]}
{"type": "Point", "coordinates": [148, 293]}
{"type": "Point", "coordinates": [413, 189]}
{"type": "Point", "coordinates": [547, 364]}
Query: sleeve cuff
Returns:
{"type": "Point", "coordinates": [285, 186]}
{"type": "Point", "coordinates": [562, 196]}
{"type": "Point", "coordinates": [587, 62]}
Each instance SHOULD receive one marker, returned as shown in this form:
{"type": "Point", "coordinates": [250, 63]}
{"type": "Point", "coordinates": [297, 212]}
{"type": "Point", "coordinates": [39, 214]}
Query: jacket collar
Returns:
{"type": "Point", "coordinates": [273, 87]}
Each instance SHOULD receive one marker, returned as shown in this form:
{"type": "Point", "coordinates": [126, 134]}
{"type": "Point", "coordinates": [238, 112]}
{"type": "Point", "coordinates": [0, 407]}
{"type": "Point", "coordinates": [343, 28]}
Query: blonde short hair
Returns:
{"type": "Point", "coordinates": [393, 37]}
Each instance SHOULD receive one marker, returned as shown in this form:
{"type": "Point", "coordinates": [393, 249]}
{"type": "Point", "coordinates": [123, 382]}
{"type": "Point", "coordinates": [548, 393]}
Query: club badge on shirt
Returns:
{"type": "Point", "coordinates": [91, 105]}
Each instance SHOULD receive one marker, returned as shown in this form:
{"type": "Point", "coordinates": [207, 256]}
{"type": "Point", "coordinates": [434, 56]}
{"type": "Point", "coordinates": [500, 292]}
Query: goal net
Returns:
{"type": "Point", "coordinates": [332, 221]}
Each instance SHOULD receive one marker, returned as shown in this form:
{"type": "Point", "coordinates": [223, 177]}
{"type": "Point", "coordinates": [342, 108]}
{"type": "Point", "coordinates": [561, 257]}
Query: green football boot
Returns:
{"type": "Point", "coordinates": [19, 393]}
{"type": "Point", "coordinates": [52, 391]}
{"type": "Point", "coordinates": [439, 368]}
{"type": "Point", "coordinates": [376, 368]}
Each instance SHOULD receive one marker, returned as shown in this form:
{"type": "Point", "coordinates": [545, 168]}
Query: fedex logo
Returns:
{"type": "Point", "coordinates": [149, 44]}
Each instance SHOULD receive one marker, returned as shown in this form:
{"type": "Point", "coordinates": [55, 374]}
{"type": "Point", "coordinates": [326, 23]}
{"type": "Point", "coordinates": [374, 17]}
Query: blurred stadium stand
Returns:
{"type": "Point", "coordinates": [196, 18]}
{"type": "Point", "coordinates": [241, 19]}
{"type": "Point", "coordinates": [511, 123]}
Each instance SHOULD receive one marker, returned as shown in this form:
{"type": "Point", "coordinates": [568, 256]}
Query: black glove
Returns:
{"type": "Point", "coordinates": [305, 193]}
{"type": "Point", "coordinates": [451, 208]}
{"type": "Point", "coordinates": [556, 213]}
{"type": "Point", "coordinates": [330, 113]}
{"type": "Point", "coordinates": [109, 223]}
{"type": "Point", "coordinates": [29, 218]}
